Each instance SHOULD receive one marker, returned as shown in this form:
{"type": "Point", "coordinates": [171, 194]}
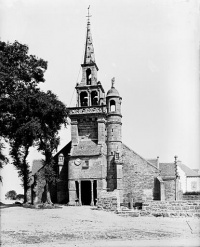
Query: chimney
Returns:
{"type": "Point", "coordinates": [158, 162]}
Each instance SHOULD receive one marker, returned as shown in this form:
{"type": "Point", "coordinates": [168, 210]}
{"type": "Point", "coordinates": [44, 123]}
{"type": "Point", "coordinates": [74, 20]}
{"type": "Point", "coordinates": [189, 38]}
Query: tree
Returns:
{"type": "Point", "coordinates": [11, 195]}
{"type": "Point", "coordinates": [18, 69]}
{"type": "Point", "coordinates": [20, 75]}
{"type": "Point", "coordinates": [3, 158]}
{"type": "Point", "coordinates": [23, 132]}
{"type": "Point", "coordinates": [54, 115]}
{"type": "Point", "coordinates": [28, 116]}
{"type": "Point", "coordinates": [19, 197]}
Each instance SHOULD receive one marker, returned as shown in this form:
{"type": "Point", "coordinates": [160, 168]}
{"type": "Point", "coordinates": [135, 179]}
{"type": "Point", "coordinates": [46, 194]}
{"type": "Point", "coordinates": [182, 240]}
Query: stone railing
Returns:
{"type": "Point", "coordinates": [86, 110]}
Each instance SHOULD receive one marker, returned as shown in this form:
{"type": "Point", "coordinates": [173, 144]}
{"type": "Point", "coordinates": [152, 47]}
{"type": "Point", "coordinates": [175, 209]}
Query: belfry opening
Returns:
{"type": "Point", "coordinates": [88, 77]}
{"type": "Point", "coordinates": [84, 98]}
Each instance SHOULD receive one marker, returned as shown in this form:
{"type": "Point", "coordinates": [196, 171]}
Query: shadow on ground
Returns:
{"type": "Point", "coordinates": [9, 205]}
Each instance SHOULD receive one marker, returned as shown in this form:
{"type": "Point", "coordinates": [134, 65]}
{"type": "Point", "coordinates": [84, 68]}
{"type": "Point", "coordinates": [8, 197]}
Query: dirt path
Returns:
{"type": "Point", "coordinates": [83, 226]}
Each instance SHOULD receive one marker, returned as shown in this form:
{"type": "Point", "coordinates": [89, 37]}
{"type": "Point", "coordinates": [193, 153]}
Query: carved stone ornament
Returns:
{"type": "Point", "coordinates": [87, 110]}
{"type": "Point", "coordinates": [77, 162]}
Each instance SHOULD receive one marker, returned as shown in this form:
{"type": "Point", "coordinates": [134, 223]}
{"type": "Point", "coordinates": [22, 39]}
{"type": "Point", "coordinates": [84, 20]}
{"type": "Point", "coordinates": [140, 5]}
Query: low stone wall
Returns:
{"type": "Point", "coordinates": [190, 197]}
{"type": "Point", "coordinates": [108, 200]}
{"type": "Point", "coordinates": [172, 208]}
{"type": "Point", "coordinates": [164, 209]}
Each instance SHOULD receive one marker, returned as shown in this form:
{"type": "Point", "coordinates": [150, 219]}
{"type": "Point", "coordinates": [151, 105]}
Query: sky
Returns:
{"type": "Point", "coordinates": [151, 47]}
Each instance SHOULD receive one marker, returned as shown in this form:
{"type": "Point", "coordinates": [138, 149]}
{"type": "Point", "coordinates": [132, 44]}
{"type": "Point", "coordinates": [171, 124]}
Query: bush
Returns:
{"type": "Point", "coordinates": [20, 197]}
{"type": "Point", "coordinates": [11, 195]}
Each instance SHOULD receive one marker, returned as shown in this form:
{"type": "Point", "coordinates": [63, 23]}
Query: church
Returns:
{"type": "Point", "coordinates": [95, 159]}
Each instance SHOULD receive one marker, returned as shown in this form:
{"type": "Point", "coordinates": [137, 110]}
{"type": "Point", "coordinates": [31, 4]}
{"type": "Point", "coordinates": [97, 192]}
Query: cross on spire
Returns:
{"type": "Point", "coordinates": [113, 82]}
{"type": "Point", "coordinates": [88, 16]}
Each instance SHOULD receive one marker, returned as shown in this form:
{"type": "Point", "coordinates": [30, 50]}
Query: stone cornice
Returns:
{"type": "Point", "coordinates": [87, 110]}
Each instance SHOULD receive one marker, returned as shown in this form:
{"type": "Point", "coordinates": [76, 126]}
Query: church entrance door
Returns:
{"type": "Point", "coordinates": [86, 192]}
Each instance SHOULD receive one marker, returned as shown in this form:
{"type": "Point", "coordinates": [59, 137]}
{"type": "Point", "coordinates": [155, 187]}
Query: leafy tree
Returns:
{"type": "Point", "coordinates": [54, 115]}
{"type": "Point", "coordinates": [18, 69]}
{"type": "Point", "coordinates": [19, 197]}
{"type": "Point", "coordinates": [20, 74]}
{"type": "Point", "coordinates": [28, 116]}
{"type": "Point", "coordinates": [11, 195]}
{"type": "Point", "coordinates": [3, 158]}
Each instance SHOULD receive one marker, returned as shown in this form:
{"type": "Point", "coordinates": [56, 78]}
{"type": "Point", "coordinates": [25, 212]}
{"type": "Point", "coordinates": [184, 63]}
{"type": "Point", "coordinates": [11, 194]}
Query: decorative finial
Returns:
{"type": "Point", "coordinates": [113, 82]}
{"type": "Point", "coordinates": [175, 157]}
{"type": "Point", "coordinates": [88, 16]}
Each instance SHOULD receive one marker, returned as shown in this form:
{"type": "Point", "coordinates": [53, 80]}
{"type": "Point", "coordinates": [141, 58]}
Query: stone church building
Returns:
{"type": "Point", "coordinates": [96, 160]}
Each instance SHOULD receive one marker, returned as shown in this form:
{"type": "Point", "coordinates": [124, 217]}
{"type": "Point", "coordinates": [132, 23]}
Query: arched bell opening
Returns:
{"type": "Point", "coordinates": [112, 105]}
{"type": "Point", "coordinates": [84, 98]}
{"type": "Point", "coordinates": [88, 77]}
{"type": "Point", "coordinates": [94, 98]}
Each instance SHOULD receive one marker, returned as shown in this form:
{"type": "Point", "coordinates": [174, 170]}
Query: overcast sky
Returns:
{"type": "Point", "coordinates": [151, 47]}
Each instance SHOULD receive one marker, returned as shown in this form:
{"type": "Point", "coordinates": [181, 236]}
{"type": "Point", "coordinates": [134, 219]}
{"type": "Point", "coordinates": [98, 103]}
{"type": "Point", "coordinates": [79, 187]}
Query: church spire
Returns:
{"type": "Point", "coordinates": [89, 49]}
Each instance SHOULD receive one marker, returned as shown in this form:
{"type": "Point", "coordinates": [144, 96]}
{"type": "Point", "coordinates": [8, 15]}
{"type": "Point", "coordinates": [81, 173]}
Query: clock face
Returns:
{"type": "Point", "coordinates": [77, 162]}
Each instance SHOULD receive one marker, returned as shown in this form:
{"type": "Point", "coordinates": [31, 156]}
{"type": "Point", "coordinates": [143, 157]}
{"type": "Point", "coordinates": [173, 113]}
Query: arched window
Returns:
{"type": "Point", "coordinates": [84, 98]}
{"type": "Point", "coordinates": [112, 105]}
{"type": "Point", "coordinates": [88, 77]}
{"type": "Point", "coordinates": [94, 97]}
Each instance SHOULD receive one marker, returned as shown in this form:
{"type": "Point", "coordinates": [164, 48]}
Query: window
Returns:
{"type": "Point", "coordinates": [85, 164]}
{"type": "Point", "coordinates": [116, 156]}
{"type": "Point", "coordinates": [88, 77]}
{"type": "Point", "coordinates": [193, 185]}
{"type": "Point", "coordinates": [94, 98]}
{"type": "Point", "coordinates": [84, 98]}
{"type": "Point", "coordinates": [112, 105]}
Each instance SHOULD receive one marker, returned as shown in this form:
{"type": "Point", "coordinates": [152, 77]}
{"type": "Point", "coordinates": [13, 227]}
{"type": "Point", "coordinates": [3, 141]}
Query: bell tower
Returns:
{"type": "Point", "coordinates": [89, 91]}
{"type": "Point", "coordinates": [87, 167]}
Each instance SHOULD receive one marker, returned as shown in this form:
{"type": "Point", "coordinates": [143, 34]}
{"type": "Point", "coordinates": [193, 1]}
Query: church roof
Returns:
{"type": "Point", "coordinates": [167, 169]}
{"type": "Point", "coordinates": [86, 148]}
{"type": "Point", "coordinates": [37, 164]}
{"type": "Point", "coordinates": [153, 161]}
{"type": "Point", "coordinates": [89, 49]}
{"type": "Point", "coordinates": [188, 172]}
{"type": "Point", "coordinates": [112, 92]}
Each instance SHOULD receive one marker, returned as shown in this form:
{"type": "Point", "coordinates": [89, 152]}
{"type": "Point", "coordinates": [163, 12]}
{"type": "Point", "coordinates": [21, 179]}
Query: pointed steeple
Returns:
{"type": "Point", "coordinates": [89, 49]}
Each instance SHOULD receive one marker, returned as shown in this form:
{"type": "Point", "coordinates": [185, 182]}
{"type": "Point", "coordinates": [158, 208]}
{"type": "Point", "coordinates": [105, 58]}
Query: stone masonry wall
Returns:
{"type": "Point", "coordinates": [190, 197]}
{"type": "Point", "coordinates": [169, 190]}
{"type": "Point", "coordinates": [138, 177]}
{"type": "Point", "coordinates": [171, 208]}
{"type": "Point", "coordinates": [108, 200]}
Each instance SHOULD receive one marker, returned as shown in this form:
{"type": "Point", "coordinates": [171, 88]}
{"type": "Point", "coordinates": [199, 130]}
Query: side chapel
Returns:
{"type": "Point", "coordinates": [95, 159]}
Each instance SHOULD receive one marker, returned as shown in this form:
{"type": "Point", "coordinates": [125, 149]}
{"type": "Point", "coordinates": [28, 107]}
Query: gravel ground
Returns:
{"type": "Point", "coordinates": [85, 226]}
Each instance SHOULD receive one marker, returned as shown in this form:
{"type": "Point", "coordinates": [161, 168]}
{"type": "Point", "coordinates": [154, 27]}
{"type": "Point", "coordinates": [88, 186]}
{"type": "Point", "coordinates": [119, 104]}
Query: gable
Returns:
{"type": "Point", "coordinates": [167, 169]}
{"type": "Point", "coordinates": [37, 164]}
{"type": "Point", "coordinates": [188, 172]}
{"type": "Point", "coordinates": [132, 158]}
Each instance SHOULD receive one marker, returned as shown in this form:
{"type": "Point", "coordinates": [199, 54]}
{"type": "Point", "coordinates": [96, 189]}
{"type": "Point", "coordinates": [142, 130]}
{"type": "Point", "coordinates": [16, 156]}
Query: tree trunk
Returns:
{"type": "Point", "coordinates": [48, 194]}
{"type": "Point", "coordinates": [26, 174]}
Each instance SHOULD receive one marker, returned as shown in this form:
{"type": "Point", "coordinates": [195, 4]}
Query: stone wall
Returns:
{"type": "Point", "coordinates": [169, 190]}
{"type": "Point", "coordinates": [108, 200]}
{"type": "Point", "coordinates": [171, 208]}
{"type": "Point", "coordinates": [138, 177]}
{"type": "Point", "coordinates": [190, 197]}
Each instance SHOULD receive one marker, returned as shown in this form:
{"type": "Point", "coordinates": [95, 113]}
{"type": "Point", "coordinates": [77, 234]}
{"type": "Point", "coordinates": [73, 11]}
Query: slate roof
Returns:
{"type": "Point", "coordinates": [37, 164]}
{"type": "Point", "coordinates": [126, 147]}
{"type": "Point", "coordinates": [167, 169]}
{"type": "Point", "coordinates": [153, 161]}
{"type": "Point", "coordinates": [86, 148]}
{"type": "Point", "coordinates": [113, 92]}
{"type": "Point", "coordinates": [188, 172]}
